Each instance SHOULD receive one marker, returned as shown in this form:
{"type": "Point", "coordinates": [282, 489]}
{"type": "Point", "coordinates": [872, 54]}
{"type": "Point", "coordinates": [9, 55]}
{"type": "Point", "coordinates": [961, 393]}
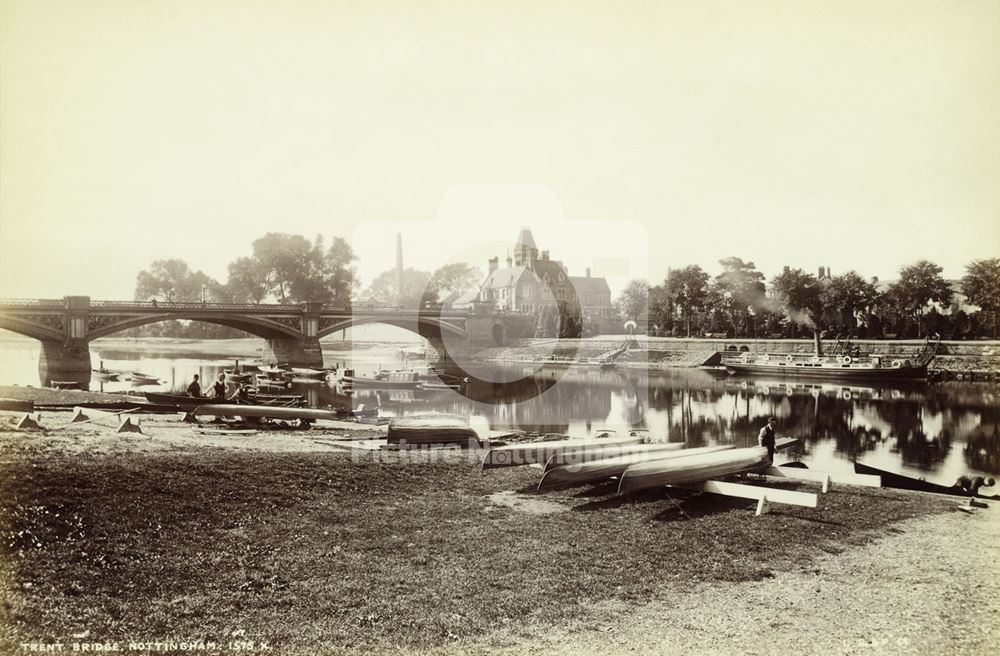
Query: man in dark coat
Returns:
{"type": "Point", "coordinates": [766, 437]}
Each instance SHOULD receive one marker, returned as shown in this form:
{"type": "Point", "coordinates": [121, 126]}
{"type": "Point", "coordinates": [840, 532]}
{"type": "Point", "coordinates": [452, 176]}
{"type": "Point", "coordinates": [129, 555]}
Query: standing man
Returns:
{"type": "Point", "coordinates": [194, 389]}
{"type": "Point", "coordinates": [766, 437]}
{"type": "Point", "coordinates": [219, 388]}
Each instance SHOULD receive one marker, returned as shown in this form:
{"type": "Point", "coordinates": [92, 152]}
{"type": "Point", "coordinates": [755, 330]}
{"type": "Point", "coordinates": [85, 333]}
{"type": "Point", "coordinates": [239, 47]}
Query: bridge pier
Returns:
{"type": "Point", "coordinates": [64, 360]}
{"type": "Point", "coordinates": [304, 352]}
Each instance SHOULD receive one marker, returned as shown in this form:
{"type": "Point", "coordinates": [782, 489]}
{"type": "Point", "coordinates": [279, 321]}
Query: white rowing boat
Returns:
{"type": "Point", "coordinates": [514, 455]}
{"type": "Point", "coordinates": [692, 468]}
{"type": "Point", "coordinates": [585, 470]}
{"type": "Point", "coordinates": [264, 412]}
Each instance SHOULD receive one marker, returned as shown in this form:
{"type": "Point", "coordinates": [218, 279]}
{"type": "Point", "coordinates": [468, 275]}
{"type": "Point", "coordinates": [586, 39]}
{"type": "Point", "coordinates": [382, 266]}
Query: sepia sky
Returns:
{"type": "Point", "coordinates": [859, 135]}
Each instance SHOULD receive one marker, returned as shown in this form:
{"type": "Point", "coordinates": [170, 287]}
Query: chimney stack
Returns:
{"type": "Point", "coordinates": [820, 274]}
{"type": "Point", "coordinates": [545, 255]}
{"type": "Point", "coordinates": [510, 262]}
{"type": "Point", "coordinates": [494, 264]}
{"type": "Point", "coordinates": [588, 272]}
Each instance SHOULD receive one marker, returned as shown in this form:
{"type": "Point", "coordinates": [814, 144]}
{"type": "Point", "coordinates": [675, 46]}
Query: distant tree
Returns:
{"type": "Point", "coordinates": [739, 288]}
{"type": "Point", "coordinates": [293, 267]}
{"type": "Point", "coordinates": [919, 285]}
{"type": "Point", "coordinates": [383, 287]}
{"type": "Point", "coordinates": [849, 296]}
{"type": "Point", "coordinates": [981, 285]}
{"type": "Point", "coordinates": [797, 294]}
{"type": "Point", "coordinates": [688, 290]}
{"type": "Point", "coordinates": [247, 281]}
{"type": "Point", "coordinates": [454, 278]}
{"type": "Point", "coordinates": [339, 271]}
{"type": "Point", "coordinates": [633, 302]}
{"type": "Point", "coordinates": [570, 321]}
{"type": "Point", "coordinates": [661, 311]}
{"type": "Point", "coordinates": [173, 280]}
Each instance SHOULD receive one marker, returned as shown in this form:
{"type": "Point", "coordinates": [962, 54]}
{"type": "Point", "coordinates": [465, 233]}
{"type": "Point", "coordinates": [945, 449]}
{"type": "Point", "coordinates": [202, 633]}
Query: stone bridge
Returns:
{"type": "Point", "coordinates": [66, 326]}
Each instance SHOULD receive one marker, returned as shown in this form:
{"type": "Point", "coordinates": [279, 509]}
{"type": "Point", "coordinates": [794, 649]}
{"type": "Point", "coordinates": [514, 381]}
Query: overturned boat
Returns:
{"type": "Point", "coordinates": [693, 468]}
{"type": "Point", "coordinates": [513, 455]}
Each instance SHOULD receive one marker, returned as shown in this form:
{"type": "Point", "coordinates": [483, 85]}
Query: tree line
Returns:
{"type": "Point", "coordinates": [289, 269]}
{"type": "Point", "coordinates": [740, 302]}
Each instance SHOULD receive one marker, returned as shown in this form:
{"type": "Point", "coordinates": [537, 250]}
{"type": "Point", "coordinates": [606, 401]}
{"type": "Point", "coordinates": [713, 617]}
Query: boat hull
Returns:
{"type": "Point", "coordinates": [838, 372]}
{"type": "Point", "coordinates": [264, 412]}
{"type": "Point", "coordinates": [692, 468]}
{"type": "Point", "coordinates": [372, 383]}
{"type": "Point", "coordinates": [603, 468]}
{"type": "Point", "coordinates": [407, 432]}
{"type": "Point", "coordinates": [514, 455]}
{"type": "Point", "coordinates": [903, 482]}
{"type": "Point", "coordinates": [192, 401]}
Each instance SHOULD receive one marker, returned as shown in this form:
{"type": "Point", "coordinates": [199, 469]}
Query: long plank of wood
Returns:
{"type": "Point", "coordinates": [865, 480]}
{"type": "Point", "coordinates": [773, 495]}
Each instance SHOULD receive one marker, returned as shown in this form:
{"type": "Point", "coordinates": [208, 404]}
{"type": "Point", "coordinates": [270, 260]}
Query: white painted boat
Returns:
{"type": "Point", "coordinates": [308, 372]}
{"type": "Point", "coordinates": [692, 468]}
{"type": "Point", "coordinates": [514, 455]}
{"type": "Point", "coordinates": [264, 412]}
{"type": "Point", "coordinates": [598, 468]}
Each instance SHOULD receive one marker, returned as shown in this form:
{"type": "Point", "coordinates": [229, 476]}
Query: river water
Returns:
{"type": "Point", "coordinates": [938, 431]}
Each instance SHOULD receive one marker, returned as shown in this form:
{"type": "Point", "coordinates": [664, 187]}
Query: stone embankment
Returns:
{"type": "Point", "coordinates": [971, 359]}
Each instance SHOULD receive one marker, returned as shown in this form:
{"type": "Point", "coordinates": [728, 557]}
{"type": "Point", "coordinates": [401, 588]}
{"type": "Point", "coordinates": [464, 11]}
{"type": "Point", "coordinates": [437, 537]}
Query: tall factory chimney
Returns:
{"type": "Point", "coordinates": [399, 270]}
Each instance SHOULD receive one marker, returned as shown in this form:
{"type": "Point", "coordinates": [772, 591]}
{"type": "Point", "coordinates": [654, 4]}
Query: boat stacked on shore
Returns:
{"type": "Point", "coordinates": [630, 460]}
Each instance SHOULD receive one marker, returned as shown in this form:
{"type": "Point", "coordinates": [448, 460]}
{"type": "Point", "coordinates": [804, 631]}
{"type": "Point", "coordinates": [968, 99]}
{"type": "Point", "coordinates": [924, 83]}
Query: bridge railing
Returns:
{"type": "Point", "coordinates": [186, 306]}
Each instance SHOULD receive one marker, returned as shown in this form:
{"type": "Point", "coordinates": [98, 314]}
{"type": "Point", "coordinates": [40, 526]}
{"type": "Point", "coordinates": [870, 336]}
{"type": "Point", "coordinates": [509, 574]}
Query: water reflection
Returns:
{"type": "Point", "coordinates": [939, 431]}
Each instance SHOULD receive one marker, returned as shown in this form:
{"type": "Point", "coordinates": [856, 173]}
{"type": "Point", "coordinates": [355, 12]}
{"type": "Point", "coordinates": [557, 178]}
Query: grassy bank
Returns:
{"type": "Point", "coordinates": [316, 553]}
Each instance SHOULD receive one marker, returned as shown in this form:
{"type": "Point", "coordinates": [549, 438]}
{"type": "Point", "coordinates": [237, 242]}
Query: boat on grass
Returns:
{"type": "Point", "coordinates": [692, 468]}
{"type": "Point", "coordinates": [514, 455]}
{"type": "Point", "coordinates": [903, 482]}
{"type": "Point", "coordinates": [579, 467]}
{"type": "Point", "coordinates": [305, 415]}
{"type": "Point", "coordinates": [602, 465]}
{"type": "Point", "coordinates": [431, 430]}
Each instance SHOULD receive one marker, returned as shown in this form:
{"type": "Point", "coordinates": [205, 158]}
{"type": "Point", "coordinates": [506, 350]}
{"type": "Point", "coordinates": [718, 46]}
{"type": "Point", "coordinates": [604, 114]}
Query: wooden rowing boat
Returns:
{"type": "Point", "coordinates": [264, 412]}
{"type": "Point", "coordinates": [193, 401]}
{"type": "Point", "coordinates": [308, 373]}
{"type": "Point", "coordinates": [577, 467]}
{"type": "Point", "coordinates": [514, 455]}
{"type": "Point", "coordinates": [438, 429]}
{"type": "Point", "coordinates": [692, 468]}
{"type": "Point", "coordinates": [66, 384]}
{"type": "Point", "coordinates": [139, 378]}
{"type": "Point", "coordinates": [903, 482]}
{"type": "Point", "coordinates": [597, 466]}
{"type": "Point", "coordinates": [17, 405]}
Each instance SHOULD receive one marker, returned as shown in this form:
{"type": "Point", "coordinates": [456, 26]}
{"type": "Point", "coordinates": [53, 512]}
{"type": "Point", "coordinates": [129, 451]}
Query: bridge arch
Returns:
{"type": "Point", "coordinates": [425, 326]}
{"type": "Point", "coordinates": [257, 326]}
{"type": "Point", "coordinates": [31, 329]}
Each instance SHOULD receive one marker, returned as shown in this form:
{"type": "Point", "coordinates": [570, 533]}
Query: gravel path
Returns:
{"type": "Point", "coordinates": [931, 586]}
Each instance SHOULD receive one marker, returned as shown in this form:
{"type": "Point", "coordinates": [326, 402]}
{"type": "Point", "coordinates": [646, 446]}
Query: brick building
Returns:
{"type": "Point", "coordinates": [532, 280]}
